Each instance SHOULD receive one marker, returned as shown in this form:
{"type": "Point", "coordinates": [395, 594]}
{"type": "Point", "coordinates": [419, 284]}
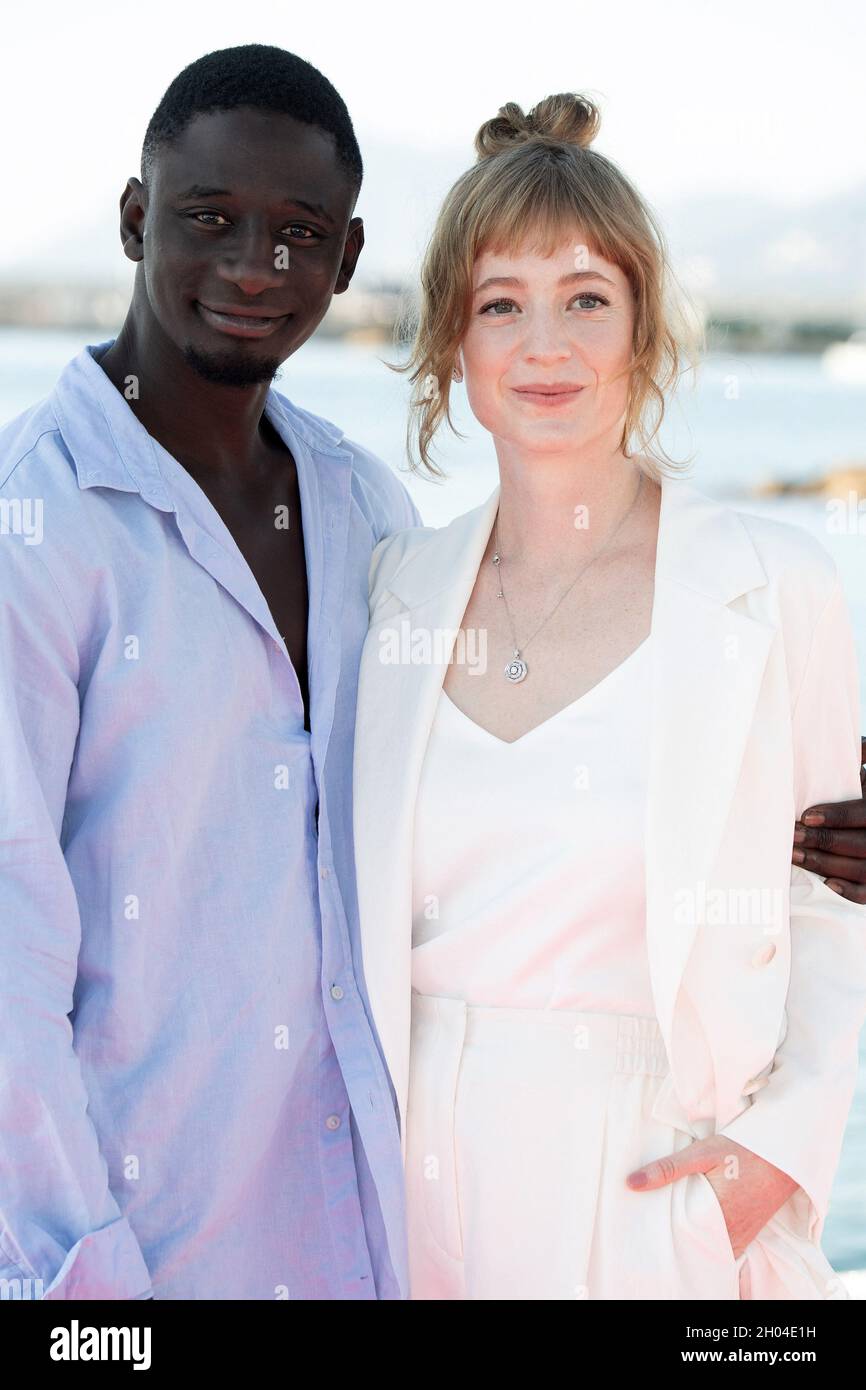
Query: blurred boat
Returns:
{"type": "Point", "coordinates": [847, 361]}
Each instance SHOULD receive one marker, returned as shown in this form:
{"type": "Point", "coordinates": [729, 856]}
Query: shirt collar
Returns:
{"type": "Point", "coordinates": [110, 447]}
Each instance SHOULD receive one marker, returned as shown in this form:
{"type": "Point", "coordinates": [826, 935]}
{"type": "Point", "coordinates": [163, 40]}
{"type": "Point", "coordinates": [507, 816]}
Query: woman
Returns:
{"type": "Point", "coordinates": [581, 739]}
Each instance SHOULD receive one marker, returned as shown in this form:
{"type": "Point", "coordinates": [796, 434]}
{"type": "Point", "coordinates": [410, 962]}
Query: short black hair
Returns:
{"type": "Point", "coordinates": [258, 75]}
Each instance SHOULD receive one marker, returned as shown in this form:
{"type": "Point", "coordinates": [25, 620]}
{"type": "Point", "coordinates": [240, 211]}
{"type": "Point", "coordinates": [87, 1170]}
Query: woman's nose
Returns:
{"type": "Point", "coordinates": [547, 338]}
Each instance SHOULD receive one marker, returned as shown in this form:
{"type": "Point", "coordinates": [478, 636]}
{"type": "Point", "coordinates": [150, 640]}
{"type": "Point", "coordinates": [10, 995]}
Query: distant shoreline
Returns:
{"type": "Point", "coordinates": [740, 336]}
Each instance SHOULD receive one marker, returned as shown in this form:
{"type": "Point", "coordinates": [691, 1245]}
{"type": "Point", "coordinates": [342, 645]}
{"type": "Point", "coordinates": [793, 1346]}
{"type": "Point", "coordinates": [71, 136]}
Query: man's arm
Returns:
{"type": "Point", "coordinates": [830, 840]}
{"type": "Point", "coordinates": [797, 1120]}
{"type": "Point", "coordinates": [401, 512]}
{"type": "Point", "coordinates": [414, 514]}
{"type": "Point", "coordinates": [59, 1222]}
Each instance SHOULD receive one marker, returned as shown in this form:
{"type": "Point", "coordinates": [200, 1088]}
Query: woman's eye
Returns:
{"type": "Point", "coordinates": [505, 304]}
{"type": "Point", "coordinates": [498, 308]}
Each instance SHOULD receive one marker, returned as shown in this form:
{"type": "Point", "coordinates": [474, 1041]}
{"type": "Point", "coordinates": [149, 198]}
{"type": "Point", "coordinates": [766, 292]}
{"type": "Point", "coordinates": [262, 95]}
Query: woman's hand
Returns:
{"type": "Point", "coordinates": [830, 840]}
{"type": "Point", "coordinates": [750, 1190]}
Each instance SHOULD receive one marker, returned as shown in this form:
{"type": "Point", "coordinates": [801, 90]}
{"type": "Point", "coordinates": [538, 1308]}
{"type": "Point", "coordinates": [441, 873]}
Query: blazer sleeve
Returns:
{"type": "Point", "coordinates": [797, 1120]}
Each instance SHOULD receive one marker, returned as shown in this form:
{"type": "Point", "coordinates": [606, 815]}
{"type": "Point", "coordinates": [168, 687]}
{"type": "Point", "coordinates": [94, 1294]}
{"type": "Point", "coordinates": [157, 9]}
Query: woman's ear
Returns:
{"type": "Point", "coordinates": [457, 373]}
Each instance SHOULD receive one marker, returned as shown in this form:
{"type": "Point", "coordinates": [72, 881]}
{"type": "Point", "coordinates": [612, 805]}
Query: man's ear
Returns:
{"type": "Point", "coordinates": [351, 252]}
{"type": "Point", "coordinates": [133, 206]}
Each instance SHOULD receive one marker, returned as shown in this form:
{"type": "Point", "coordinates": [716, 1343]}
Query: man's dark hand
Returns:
{"type": "Point", "coordinates": [830, 840]}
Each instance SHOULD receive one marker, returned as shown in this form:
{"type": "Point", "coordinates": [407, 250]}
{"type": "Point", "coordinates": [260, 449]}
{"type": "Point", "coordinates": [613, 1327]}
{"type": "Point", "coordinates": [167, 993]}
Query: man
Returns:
{"type": "Point", "coordinates": [192, 1099]}
{"type": "Point", "coordinates": [831, 840]}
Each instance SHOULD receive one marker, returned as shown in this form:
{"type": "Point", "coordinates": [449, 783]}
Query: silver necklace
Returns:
{"type": "Point", "coordinates": [517, 669]}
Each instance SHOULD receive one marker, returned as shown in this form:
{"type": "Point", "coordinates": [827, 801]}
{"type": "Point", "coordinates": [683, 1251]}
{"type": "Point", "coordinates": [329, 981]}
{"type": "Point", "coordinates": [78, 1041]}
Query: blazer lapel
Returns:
{"type": "Point", "coordinates": [708, 662]}
{"type": "Point", "coordinates": [403, 666]}
{"type": "Point", "coordinates": [708, 659]}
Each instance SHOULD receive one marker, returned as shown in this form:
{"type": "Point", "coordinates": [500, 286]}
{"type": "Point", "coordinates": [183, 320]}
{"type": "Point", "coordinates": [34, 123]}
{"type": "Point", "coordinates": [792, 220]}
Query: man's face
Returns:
{"type": "Point", "coordinates": [247, 214]}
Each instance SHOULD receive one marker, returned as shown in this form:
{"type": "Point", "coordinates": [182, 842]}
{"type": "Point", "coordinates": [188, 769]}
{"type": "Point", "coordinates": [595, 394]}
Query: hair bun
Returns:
{"type": "Point", "coordinates": [566, 118]}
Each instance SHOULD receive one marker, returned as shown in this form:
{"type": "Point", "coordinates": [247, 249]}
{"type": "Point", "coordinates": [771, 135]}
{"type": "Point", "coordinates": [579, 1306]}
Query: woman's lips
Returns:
{"type": "Point", "coordinates": [551, 398]}
{"type": "Point", "coordinates": [240, 325]}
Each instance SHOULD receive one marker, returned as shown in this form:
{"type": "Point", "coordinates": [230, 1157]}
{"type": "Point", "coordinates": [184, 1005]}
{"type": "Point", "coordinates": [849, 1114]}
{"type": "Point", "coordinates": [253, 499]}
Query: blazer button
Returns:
{"type": "Point", "coordinates": [765, 955]}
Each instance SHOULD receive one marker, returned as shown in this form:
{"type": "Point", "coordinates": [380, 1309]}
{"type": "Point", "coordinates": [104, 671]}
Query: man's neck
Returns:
{"type": "Point", "coordinates": [211, 429]}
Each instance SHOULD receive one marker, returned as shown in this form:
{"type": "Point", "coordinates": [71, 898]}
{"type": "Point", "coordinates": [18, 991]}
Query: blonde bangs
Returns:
{"type": "Point", "coordinates": [535, 210]}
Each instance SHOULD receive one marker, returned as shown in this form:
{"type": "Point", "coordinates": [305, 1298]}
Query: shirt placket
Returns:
{"type": "Point", "coordinates": [325, 488]}
{"type": "Point", "coordinates": [325, 491]}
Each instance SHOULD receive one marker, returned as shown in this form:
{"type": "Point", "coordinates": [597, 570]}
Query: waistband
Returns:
{"type": "Point", "coordinates": [629, 1043]}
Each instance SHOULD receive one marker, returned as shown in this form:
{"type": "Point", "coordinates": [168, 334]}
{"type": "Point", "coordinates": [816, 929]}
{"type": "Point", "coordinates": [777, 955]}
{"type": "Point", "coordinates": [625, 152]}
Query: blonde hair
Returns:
{"type": "Point", "coordinates": [535, 179]}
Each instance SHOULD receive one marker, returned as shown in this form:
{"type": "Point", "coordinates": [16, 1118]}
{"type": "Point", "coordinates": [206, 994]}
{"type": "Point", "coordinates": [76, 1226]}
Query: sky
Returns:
{"type": "Point", "coordinates": [762, 99]}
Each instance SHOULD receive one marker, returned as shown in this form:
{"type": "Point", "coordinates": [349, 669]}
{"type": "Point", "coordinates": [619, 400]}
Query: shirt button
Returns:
{"type": "Point", "coordinates": [323, 873]}
{"type": "Point", "coordinates": [765, 955]}
{"type": "Point", "coordinates": [336, 992]}
{"type": "Point", "coordinates": [333, 1122]}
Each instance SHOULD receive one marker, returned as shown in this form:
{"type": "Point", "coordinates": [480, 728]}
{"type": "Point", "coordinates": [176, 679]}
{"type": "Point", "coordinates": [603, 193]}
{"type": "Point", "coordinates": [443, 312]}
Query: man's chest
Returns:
{"type": "Point", "coordinates": [266, 524]}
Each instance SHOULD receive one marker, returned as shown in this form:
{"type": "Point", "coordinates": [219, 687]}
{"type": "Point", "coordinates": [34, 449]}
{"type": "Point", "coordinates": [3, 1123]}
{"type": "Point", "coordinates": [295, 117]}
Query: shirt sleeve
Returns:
{"type": "Point", "coordinates": [402, 512]}
{"type": "Point", "coordinates": [413, 513]}
{"type": "Point", "coordinates": [797, 1120]}
{"type": "Point", "coordinates": [61, 1231]}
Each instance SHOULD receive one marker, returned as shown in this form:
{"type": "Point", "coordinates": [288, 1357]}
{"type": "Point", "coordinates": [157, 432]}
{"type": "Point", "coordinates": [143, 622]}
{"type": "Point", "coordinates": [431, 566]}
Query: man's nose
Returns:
{"type": "Point", "coordinates": [257, 261]}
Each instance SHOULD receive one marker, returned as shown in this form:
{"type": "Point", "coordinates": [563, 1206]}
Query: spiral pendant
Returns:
{"type": "Point", "coordinates": [517, 669]}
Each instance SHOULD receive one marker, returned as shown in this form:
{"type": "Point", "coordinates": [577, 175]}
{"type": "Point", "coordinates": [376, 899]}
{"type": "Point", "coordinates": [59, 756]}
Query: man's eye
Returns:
{"type": "Point", "coordinates": [296, 230]}
{"type": "Point", "coordinates": [207, 214]}
{"type": "Point", "coordinates": [505, 304]}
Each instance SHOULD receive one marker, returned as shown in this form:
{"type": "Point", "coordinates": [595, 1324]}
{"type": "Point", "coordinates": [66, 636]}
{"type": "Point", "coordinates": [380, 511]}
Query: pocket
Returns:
{"type": "Point", "coordinates": [784, 1265]}
{"type": "Point", "coordinates": [716, 1223]}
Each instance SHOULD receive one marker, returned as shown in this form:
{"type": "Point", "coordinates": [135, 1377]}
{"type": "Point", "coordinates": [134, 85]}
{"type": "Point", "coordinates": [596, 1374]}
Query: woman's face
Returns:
{"type": "Point", "coordinates": [545, 337]}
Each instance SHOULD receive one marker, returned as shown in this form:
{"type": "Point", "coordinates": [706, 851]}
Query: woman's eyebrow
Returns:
{"type": "Point", "coordinates": [569, 279]}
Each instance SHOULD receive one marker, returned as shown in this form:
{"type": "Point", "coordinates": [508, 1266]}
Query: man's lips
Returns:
{"type": "Point", "coordinates": [245, 323]}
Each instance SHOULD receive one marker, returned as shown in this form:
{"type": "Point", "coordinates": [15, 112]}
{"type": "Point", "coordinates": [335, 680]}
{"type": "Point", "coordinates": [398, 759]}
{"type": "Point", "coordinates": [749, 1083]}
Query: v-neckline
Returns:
{"type": "Point", "coordinates": [512, 743]}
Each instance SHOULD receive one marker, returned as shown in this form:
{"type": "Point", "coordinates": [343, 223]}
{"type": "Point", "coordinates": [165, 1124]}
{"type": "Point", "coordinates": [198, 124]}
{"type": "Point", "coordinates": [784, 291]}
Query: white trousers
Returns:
{"type": "Point", "coordinates": [522, 1125]}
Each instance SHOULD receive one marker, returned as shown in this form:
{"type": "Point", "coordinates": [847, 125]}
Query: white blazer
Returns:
{"type": "Point", "coordinates": [758, 969]}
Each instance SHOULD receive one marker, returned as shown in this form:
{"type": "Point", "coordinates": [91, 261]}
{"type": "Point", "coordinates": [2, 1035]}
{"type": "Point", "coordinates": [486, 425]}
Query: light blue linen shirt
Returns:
{"type": "Point", "coordinates": [193, 1101]}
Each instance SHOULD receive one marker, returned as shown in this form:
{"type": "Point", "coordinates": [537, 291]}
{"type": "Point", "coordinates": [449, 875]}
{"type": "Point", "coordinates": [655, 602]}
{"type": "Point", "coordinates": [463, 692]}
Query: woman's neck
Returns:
{"type": "Point", "coordinates": [555, 512]}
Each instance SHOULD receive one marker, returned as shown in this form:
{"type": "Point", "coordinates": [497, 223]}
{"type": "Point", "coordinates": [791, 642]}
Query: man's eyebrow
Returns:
{"type": "Point", "coordinates": [201, 190]}
{"type": "Point", "coordinates": [570, 279]}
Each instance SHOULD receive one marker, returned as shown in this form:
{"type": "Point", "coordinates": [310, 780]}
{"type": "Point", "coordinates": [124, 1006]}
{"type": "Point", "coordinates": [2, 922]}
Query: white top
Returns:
{"type": "Point", "coordinates": [529, 856]}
